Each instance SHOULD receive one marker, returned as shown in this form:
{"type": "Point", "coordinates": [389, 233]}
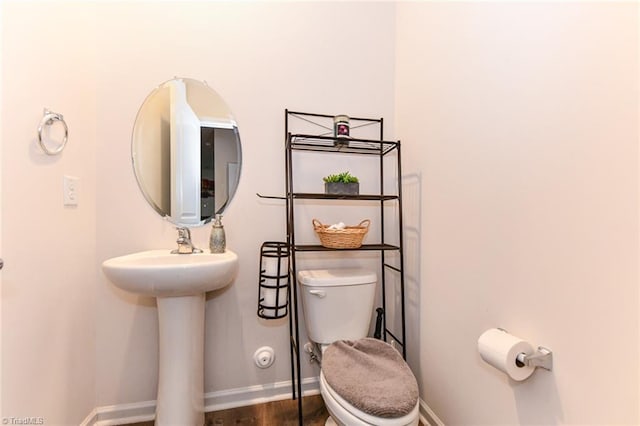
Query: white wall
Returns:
{"type": "Point", "coordinates": [49, 278]}
{"type": "Point", "coordinates": [521, 130]}
{"type": "Point", "coordinates": [1, 139]}
{"type": "Point", "coordinates": [261, 58]}
{"type": "Point", "coordinates": [71, 341]}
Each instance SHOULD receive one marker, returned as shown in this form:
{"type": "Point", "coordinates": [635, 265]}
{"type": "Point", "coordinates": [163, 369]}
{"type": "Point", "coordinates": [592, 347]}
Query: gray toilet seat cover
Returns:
{"type": "Point", "coordinates": [372, 376]}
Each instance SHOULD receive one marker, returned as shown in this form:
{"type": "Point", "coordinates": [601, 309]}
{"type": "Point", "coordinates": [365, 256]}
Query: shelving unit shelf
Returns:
{"type": "Point", "coordinates": [304, 142]}
{"type": "Point", "coordinates": [313, 196]}
{"type": "Point", "coordinates": [327, 143]}
{"type": "Point", "coordinates": [315, 247]}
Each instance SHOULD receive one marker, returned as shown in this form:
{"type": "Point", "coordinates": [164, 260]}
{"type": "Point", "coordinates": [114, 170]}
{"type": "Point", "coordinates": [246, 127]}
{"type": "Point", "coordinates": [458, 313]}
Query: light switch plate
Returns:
{"type": "Point", "coordinates": [70, 188]}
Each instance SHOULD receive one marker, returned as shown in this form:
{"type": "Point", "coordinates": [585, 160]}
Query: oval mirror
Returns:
{"type": "Point", "coordinates": [186, 152]}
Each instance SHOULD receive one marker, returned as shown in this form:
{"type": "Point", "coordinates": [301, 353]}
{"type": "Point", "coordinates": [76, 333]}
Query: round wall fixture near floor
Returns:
{"type": "Point", "coordinates": [264, 357]}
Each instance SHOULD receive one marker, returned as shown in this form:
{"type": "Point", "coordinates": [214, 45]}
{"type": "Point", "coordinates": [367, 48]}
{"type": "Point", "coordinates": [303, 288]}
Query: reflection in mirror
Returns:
{"type": "Point", "coordinates": [186, 152]}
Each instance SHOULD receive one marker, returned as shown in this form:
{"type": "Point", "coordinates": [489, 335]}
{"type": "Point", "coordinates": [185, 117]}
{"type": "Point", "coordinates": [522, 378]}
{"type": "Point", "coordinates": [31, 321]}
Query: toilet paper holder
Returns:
{"type": "Point", "coordinates": [543, 358]}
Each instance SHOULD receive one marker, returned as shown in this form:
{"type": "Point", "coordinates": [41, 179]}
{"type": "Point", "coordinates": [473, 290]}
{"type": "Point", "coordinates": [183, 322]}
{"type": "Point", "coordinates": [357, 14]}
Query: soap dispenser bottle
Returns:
{"type": "Point", "coordinates": [217, 240]}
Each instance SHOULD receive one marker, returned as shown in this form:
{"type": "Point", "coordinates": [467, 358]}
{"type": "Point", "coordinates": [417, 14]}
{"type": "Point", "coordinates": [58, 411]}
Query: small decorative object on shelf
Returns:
{"type": "Point", "coordinates": [342, 183]}
{"type": "Point", "coordinates": [339, 236]}
{"type": "Point", "coordinates": [341, 130]}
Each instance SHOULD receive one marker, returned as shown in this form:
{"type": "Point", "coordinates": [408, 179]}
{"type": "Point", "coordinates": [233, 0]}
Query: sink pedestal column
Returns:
{"type": "Point", "coordinates": [181, 361]}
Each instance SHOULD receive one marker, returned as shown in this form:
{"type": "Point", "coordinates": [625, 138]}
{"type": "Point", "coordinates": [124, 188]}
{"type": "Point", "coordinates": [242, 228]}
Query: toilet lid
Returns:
{"type": "Point", "coordinates": [372, 376]}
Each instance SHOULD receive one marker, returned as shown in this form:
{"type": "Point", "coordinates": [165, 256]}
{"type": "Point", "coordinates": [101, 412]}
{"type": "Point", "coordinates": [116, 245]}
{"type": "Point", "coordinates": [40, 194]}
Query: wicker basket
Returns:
{"type": "Point", "coordinates": [349, 237]}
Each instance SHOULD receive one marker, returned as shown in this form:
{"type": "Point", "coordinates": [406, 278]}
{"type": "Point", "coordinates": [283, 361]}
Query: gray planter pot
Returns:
{"type": "Point", "coordinates": [342, 188]}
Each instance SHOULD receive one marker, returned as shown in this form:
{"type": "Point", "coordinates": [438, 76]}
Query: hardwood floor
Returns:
{"type": "Point", "coordinates": [274, 413]}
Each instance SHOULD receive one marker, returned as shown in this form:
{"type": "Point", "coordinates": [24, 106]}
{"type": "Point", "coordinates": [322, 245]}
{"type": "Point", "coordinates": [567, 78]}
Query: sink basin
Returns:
{"type": "Point", "coordinates": [160, 273]}
{"type": "Point", "coordinates": [179, 282]}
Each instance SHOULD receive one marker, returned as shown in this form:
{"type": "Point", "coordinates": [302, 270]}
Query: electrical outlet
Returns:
{"type": "Point", "coordinates": [70, 188]}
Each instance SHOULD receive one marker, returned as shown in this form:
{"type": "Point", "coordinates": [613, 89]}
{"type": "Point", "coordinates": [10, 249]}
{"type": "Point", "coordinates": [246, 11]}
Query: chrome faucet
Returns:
{"type": "Point", "coordinates": [185, 246]}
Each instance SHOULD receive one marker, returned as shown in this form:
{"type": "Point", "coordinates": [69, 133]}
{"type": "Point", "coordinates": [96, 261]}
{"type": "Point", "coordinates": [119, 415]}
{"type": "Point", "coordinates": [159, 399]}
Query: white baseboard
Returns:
{"type": "Point", "coordinates": [90, 419]}
{"type": "Point", "coordinates": [214, 401]}
{"type": "Point", "coordinates": [221, 400]}
{"type": "Point", "coordinates": [122, 414]}
{"type": "Point", "coordinates": [427, 416]}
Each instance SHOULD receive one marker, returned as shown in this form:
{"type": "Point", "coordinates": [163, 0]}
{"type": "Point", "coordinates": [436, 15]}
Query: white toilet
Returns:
{"type": "Point", "coordinates": [363, 381]}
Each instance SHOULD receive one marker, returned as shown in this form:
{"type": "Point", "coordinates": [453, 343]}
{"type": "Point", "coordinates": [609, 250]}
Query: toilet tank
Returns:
{"type": "Point", "coordinates": [337, 303]}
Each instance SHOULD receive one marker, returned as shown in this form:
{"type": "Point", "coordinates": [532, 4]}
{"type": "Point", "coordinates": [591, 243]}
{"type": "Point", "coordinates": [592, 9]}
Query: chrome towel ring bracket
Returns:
{"type": "Point", "coordinates": [48, 119]}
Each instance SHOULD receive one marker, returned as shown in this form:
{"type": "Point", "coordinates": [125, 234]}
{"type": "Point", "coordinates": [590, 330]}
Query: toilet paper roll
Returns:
{"type": "Point", "coordinates": [271, 303]}
{"type": "Point", "coordinates": [270, 266]}
{"type": "Point", "coordinates": [500, 349]}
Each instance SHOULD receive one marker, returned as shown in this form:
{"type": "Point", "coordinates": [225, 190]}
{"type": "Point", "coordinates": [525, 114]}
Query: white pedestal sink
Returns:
{"type": "Point", "coordinates": [179, 282]}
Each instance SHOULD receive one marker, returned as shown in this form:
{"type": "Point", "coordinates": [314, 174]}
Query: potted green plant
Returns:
{"type": "Point", "coordinates": [342, 183]}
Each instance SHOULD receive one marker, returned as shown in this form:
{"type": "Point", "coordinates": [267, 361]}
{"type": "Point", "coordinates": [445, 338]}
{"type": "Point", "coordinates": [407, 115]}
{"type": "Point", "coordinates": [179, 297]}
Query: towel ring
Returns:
{"type": "Point", "coordinates": [47, 120]}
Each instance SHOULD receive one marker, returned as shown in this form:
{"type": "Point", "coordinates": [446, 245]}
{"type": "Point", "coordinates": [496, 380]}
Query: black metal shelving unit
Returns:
{"type": "Point", "coordinates": [325, 142]}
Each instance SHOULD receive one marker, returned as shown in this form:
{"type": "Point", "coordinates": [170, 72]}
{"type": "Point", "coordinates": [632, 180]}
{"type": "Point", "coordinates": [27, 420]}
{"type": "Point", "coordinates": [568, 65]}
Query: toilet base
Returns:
{"type": "Point", "coordinates": [330, 422]}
